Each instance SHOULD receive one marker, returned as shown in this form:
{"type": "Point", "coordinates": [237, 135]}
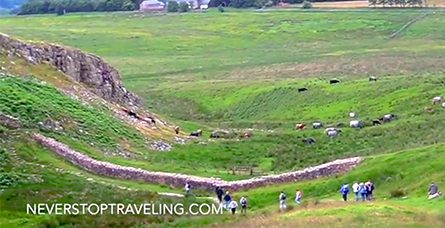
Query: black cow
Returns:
{"type": "Point", "coordinates": [309, 141]}
{"type": "Point", "coordinates": [302, 90]}
{"type": "Point", "coordinates": [376, 122]}
{"type": "Point", "coordinates": [334, 81]}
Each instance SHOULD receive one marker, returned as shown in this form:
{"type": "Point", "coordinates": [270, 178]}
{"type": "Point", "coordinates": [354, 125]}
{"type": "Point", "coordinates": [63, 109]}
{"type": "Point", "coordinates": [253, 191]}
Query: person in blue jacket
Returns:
{"type": "Point", "coordinates": [227, 199]}
{"type": "Point", "coordinates": [363, 191]}
{"type": "Point", "coordinates": [344, 190]}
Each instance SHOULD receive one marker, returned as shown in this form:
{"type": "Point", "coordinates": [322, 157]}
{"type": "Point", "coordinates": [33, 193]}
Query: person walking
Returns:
{"type": "Point", "coordinates": [344, 190]}
{"type": "Point", "coordinates": [298, 196]}
{"type": "Point", "coordinates": [219, 193]}
{"type": "Point", "coordinates": [233, 205]}
{"type": "Point", "coordinates": [243, 202]}
{"type": "Point", "coordinates": [282, 198]}
{"type": "Point", "coordinates": [370, 190]}
{"type": "Point", "coordinates": [227, 199]}
{"type": "Point", "coordinates": [363, 191]}
{"type": "Point", "coordinates": [355, 189]}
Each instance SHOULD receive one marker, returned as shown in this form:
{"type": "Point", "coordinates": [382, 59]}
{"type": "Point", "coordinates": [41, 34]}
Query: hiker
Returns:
{"type": "Point", "coordinates": [243, 202]}
{"type": "Point", "coordinates": [187, 188]}
{"type": "Point", "coordinates": [344, 191]}
{"type": "Point", "coordinates": [227, 199]}
{"type": "Point", "coordinates": [219, 193]}
{"type": "Point", "coordinates": [282, 201]}
{"type": "Point", "coordinates": [363, 191]}
{"type": "Point", "coordinates": [370, 190]}
{"type": "Point", "coordinates": [356, 189]}
{"type": "Point", "coordinates": [233, 205]}
{"type": "Point", "coordinates": [433, 191]}
{"type": "Point", "coordinates": [298, 196]}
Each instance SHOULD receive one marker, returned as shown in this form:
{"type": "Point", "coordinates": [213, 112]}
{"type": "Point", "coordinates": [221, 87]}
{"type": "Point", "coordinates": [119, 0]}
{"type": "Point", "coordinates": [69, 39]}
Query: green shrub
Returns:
{"type": "Point", "coordinates": [306, 5]}
{"type": "Point", "coordinates": [183, 7]}
{"type": "Point", "coordinates": [397, 193]}
{"type": "Point", "coordinates": [172, 6]}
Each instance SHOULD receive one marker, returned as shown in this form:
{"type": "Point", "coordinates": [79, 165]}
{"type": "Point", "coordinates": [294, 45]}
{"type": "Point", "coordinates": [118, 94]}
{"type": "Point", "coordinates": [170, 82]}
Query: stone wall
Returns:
{"type": "Point", "coordinates": [90, 70]}
{"type": "Point", "coordinates": [179, 180]}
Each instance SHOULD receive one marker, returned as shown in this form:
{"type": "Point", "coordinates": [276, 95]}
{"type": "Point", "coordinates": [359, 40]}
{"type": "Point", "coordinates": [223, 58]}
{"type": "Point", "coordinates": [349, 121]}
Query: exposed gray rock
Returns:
{"type": "Point", "coordinates": [90, 70]}
{"type": "Point", "coordinates": [9, 121]}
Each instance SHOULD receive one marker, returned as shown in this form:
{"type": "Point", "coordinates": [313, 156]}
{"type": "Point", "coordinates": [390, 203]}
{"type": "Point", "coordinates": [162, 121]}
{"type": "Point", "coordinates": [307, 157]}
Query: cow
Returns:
{"type": "Point", "coordinates": [309, 141]}
{"type": "Point", "coordinates": [302, 90]}
{"type": "Point", "coordinates": [443, 105]}
{"type": "Point", "coordinates": [332, 132]}
{"type": "Point", "coordinates": [317, 125]}
{"type": "Point", "coordinates": [334, 81]}
{"type": "Point", "coordinates": [177, 129]}
{"type": "Point", "coordinates": [355, 124]}
{"type": "Point", "coordinates": [388, 118]}
{"type": "Point", "coordinates": [197, 133]}
{"type": "Point", "coordinates": [300, 126]}
{"type": "Point", "coordinates": [437, 100]}
{"type": "Point", "coordinates": [376, 122]}
{"type": "Point", "coordinates": [372, 78]}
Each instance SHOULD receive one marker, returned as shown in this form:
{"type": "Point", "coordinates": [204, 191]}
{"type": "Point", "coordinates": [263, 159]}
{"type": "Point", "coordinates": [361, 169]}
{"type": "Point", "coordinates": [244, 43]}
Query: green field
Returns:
{"type": "Point", "coordinates": [238, 70]}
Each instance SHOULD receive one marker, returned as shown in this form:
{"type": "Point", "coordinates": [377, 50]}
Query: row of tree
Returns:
{"type": "Point", "coordinates": [59, 6]}
{"type": "Point", "coordinates": [397, 3]}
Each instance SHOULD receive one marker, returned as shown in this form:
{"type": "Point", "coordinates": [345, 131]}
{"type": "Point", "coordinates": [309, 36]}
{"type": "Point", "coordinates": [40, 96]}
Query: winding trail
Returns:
{"type": "Point", "coordinates": [178, 180]}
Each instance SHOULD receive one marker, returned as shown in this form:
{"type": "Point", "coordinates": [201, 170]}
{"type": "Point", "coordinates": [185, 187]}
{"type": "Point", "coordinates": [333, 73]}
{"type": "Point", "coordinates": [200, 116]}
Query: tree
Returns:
{"type": "Point", "coordinates": [172, 6]}
{"type": "Point", "coordinates": [183, 7]}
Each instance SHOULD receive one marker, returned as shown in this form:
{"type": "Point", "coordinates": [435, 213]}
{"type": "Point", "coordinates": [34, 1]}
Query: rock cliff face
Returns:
{"type": "Point", "coordinates": [90, 70]}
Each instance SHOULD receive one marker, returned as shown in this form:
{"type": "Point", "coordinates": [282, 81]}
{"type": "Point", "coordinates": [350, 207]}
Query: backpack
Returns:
{"type": "Point", "coordinates": [243, 201]}
{"type": "Point", "coordinates": [283, 196]}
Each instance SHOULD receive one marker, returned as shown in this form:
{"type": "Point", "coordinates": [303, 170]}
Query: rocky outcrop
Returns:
{"type": "Point", "coordinates": [9, 121]}
{"type": "Point", "coordinates": [179, 180]}
{"type": "Point", "coordinates": [90, 70]}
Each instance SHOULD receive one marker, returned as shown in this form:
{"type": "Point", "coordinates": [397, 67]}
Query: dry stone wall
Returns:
{"type": "Point", "coordinates": [179, 180]}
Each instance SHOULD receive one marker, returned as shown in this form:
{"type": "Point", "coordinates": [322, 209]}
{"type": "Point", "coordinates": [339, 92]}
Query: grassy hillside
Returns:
{"type": "Point", "coordinates": [236, 70]}
{"type": "Point", "coordinates": [193, 63]}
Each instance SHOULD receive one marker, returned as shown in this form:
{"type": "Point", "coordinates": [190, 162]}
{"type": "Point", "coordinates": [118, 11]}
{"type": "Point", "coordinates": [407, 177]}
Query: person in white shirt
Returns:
{"type": "Point", "coordinates": [233, 205]}
{"type": "Point", "coordinates": [356, 190]}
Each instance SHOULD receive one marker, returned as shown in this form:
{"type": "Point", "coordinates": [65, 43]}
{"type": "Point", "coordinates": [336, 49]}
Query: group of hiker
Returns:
{"type": "Point", "coordinates": [229, 203]}
{"type": "Point", "coordinates": [363, 191]}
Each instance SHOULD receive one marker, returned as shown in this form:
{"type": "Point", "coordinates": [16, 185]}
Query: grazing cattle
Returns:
{"type": "Point", "coordinates": [300, 126]}
{"type": "Point", "coordinates": [309, 141]}
{"type": "Point", "coordinates": [355, 124]}
{"type": "Point", "coordinates": [443, 105]}
{"type": "Point", "coordinates": [246, 135]}
{"type": "Point", "coordinates": [373, 78]}
{"type": "Point", "coordinates": [196, 133]}
{"type": "Point", "coordinates": [376, 122]}
{"type": "Point", "coordinates": [352, 115]}
{"type": "Point", "coordinates": [302, 90]}
{"type": "Point", "coordinates": [334, 81]}
{"type": "Point", "coordinates": [177, 129]}
{"type": "Point", "coordinates": [332, 132]}
{"type": "Point", "coordinates": [437, 100]}
{"type": "Point", "coordinates": [388, 118]}
{"type": "Point", "coordinates": [317, 125]}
